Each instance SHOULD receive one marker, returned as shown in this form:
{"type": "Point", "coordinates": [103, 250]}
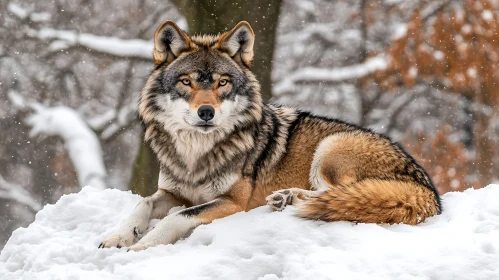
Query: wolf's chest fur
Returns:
{"type": "Point", "coordinates": [200, 167]}
{"type": "Point", "coordinates": [200, 178]}
{"type": "Point", "coordinates": [191, 147]}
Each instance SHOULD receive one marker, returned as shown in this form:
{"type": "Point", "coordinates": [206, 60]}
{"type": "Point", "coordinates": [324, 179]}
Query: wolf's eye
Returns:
{"type": "Point", "coordinates": [222, 82]}
{"type": "Point", "coordinates": [186, 82]}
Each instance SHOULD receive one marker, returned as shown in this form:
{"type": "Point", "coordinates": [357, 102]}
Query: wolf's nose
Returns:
{"type": "Point", "coordinates": [206, 112]}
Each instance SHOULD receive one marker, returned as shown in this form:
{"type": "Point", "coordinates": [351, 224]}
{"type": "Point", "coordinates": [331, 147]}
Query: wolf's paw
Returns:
{"type": "Point", "coordinates": [119, 240]}
{"type": "Point", "coordinates": [279, 199]}
{"type": "Point", "coordinates": [141, 246]}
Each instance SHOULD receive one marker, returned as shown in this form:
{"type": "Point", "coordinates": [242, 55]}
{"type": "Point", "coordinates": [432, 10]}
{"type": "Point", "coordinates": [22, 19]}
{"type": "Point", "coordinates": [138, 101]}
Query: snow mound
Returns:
{"type": "Point", "coordinates": [462, 243]}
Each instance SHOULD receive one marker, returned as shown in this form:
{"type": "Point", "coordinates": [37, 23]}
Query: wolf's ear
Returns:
{"type": "Point", "coordinates": [169, 42]}
{"type": "Point", "coordinates": [238, 43]}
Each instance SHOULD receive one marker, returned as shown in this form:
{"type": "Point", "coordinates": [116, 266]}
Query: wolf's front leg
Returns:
{"type": "Point", "coordinates": [179, 224]}
{"type": "Point", "coordinates": [154, 206]}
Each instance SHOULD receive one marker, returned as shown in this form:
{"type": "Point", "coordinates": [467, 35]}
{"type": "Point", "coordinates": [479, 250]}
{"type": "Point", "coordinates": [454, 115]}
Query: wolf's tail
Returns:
{"type": "Point", "coordinates": [373, 201]}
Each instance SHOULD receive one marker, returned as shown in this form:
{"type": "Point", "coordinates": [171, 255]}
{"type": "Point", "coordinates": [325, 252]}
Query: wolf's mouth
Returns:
{"type": "Point", "coordinates": [205, 125]}
{"type": "Point", "coordinates": [200, 124]}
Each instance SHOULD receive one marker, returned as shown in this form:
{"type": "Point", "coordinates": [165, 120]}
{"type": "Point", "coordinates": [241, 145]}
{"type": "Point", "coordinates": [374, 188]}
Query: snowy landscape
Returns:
{"type": "Point", "coordinates": [461, 243]}
{"type": "Point", "coordinates": [73, 164]}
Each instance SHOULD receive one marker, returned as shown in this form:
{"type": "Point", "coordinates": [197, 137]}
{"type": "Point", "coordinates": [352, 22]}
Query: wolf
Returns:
{"type": "Point", "coordinates": [222, 150]}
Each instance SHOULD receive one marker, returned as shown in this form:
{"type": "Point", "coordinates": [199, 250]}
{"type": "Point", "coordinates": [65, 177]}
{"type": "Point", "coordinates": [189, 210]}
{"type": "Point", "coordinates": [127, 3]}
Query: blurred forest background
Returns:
{"type": "Point", "coordinates": [423, 72]}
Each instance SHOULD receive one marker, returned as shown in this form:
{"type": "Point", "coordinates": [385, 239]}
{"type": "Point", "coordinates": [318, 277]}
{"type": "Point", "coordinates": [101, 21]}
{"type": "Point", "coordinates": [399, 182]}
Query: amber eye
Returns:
{"type": "Point", "coordinates": [186, 82]}
{"type": "Point", "coordinates": [222, 82]}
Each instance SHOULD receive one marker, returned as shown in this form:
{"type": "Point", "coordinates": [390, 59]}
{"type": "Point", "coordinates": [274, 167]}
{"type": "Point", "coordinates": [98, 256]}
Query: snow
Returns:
{"type": "Point", "coordinates": [17, 10]}
{"type": "Point", "coordinates": [80, 141]}
{"type": "Point", "coordinates": [461, 243]}
{"type": "Point", "coordinates": [112, 121]}
{"type": "Point", "coordinates": [110, 45]}
{"type": "Point", "coordinates": [40, 17]}
{"type": "Point", "coordinates": [413, 71]}
{"type": "Point", "coordinates": [17, 193]}
{"type": "Point", "coordinates": [438, 55]}
{"type": "Point", "coordinates": [400, 31]}
{"type": "Point", "coordinates": [487, 15]}
{"type": "Point", "coordinates": [327, 32]}
{"type": "Point", "coordinates": [471, 72]}
{"type": "Point", "coordinates": [466, 29]}
{"type": "Point", "coordinates": [312, 74]}
{"type": "Point", "coordinates": [22, 13]}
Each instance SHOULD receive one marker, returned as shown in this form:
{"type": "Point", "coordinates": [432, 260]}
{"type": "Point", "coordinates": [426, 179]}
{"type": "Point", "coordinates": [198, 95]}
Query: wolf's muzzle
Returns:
{"type": "Point", "coordinates": [206, 112]}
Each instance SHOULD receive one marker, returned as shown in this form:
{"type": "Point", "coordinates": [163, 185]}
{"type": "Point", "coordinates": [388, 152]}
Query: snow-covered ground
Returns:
{"type": "Point", "coordinates": [462, 243]}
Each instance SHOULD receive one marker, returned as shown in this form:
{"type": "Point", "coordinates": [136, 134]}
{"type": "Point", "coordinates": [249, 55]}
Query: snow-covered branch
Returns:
{"type": "Point", "coordinates": [328, 32]}
{"type": "Point", "coordinates": [63, 39]}
{"type": "Point", "coordinates": [318, 75]}
{"type": "Point", "coordinates": [111, 122]}
{"type": "Point", "coordinates": [24, 14]}
{"type": "Point", "coordinates": [82, 144]}
{"type": "Point", "coordinates": [16, 193]}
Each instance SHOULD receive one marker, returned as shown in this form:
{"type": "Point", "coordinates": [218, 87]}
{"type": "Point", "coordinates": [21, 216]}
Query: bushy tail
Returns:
{"type": "Point", "coordinates": [372, 201]}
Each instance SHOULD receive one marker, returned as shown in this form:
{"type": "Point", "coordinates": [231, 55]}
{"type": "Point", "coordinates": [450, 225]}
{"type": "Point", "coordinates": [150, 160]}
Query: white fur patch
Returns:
{"type": "Point", "coordinates": [198, 194]}
{"type": "Point", "coordinates": [136, 223]}
{"type": "Point", "coordinates": [317, 182]}
{"type": "Point", "coordinates": [190, 142]}
{"type": "Point", "coordinates": [192, 145]}
{"type": "Point", "coordinates": [230, 112]}
{"type": "Point", "coordinates": [178, 115]}
{"type": "Point", "coordinates": [167, 231]}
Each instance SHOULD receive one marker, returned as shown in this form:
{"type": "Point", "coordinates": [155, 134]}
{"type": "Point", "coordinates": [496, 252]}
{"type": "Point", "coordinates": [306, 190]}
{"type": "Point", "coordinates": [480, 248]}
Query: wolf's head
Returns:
{"type": "Point", "coordinates": [203, 83]}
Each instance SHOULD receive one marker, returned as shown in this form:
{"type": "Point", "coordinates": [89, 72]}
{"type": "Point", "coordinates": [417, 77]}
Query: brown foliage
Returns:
{"type": "Point", "coordinates": [456, 50]}
{"type": "Point", "coordinates": [446, 161]}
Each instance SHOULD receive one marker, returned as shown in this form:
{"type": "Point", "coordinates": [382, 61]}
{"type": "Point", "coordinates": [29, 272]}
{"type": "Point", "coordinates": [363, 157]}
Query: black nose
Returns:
{"type": "Point", "coordinates": [206, 112]}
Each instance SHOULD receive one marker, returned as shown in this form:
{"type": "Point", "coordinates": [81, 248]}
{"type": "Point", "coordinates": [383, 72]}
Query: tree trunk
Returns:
{"type": "Point", "coordinates": [484, 148]}
{"type": "Point", "coordinates": [145, 171]}
{"type": "Point", "coordinates": [214, 16]}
